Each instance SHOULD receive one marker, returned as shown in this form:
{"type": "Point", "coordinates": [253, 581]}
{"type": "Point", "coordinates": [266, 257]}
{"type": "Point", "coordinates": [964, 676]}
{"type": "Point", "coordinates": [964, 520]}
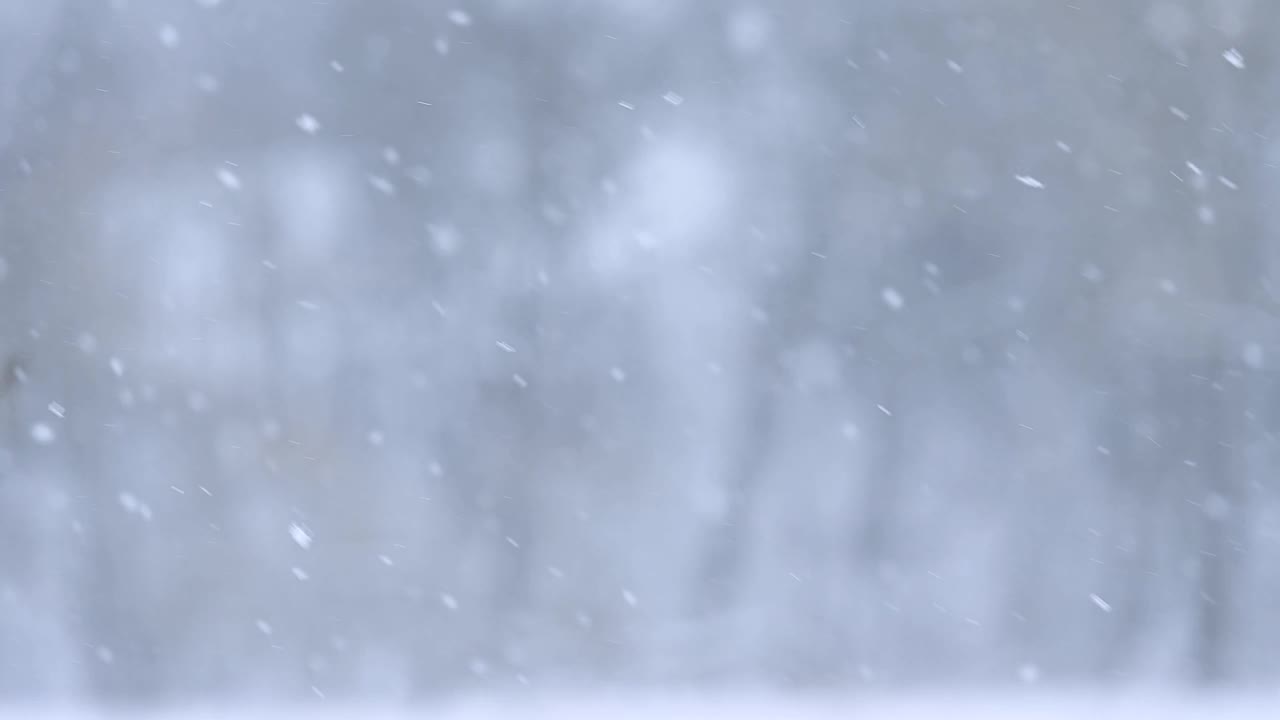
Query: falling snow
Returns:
{"type": "Point", "coordinates": [836, 353]}
{"type": "Point", "coordinates": [1253, 355]}
{"type": "Point", "coordinates": [169, 36]}
{"type": "Point", "coordinates": [134, 506]}
{"type": "Point", "coordinates": [382, 185]}
{"type": "Point", "coordinates": [300, 535]}
{"type": "Point", "coordinates": [42, 433]}
{"type": "Point", "coordinates": [892, 298]}
{"type": "Point", "coordinates": [228, 179]}
{"type": "Point", "coordinates": [308, 124]}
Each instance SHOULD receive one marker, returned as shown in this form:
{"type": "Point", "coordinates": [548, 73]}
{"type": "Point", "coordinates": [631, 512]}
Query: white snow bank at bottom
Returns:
{"type": "Point", "coordinates": [746, 706]}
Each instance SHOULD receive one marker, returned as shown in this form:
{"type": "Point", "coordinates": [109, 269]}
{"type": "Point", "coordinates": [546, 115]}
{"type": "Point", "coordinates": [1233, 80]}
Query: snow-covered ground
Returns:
{"type": "Point", "coordinates": [1087, 706]}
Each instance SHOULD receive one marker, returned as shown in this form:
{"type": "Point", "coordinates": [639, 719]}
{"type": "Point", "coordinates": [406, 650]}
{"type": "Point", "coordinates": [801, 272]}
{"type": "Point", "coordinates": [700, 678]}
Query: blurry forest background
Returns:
{"type": "Point", "coordinates": [400, 347]}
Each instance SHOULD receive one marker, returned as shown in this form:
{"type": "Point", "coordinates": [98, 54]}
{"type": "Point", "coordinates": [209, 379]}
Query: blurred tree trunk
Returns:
{"type": "Point", "coordinates": [792, 303]}
{"type": "Point", "coordinates": [1217, 437]}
